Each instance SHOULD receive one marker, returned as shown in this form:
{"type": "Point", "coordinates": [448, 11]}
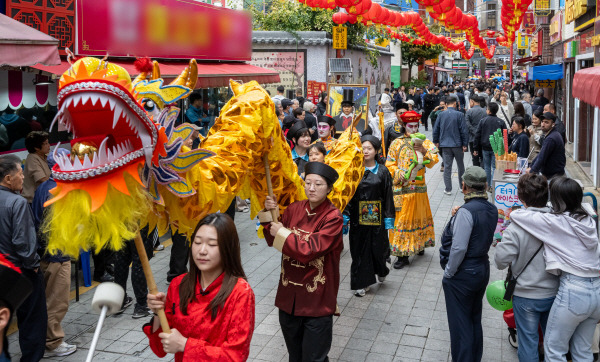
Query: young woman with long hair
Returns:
{"type": "Point", "coordinates": [211, 308]}
{"type": "Point", "coordinates": [571, 251]}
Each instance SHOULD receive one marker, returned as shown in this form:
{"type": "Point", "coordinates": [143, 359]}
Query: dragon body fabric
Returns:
{"type": "Point", "coordinates": [128, 165]}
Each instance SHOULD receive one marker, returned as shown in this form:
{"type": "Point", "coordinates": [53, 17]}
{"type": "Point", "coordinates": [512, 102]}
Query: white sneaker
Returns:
{"type": "Point", "coordinates": [361, 292]}
{"type": "Point", "coordinates": [64, 349]}
{"type": "Point", "coordinates": [448, 192]}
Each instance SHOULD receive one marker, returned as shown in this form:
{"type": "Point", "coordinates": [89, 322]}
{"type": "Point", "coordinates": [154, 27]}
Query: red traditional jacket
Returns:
{"type": "Point", "coordinates": [227, 338]}
{"type": "Point", "coordinates": [311, 244]}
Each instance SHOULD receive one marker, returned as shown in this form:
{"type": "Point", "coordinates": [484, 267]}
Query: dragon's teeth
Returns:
{"type": "Point", "coordinates": [85, 97]}
{"type": "Point", "coordinates": [76, 99]}
{"type": "Point", "coordinates": [86, 162]}
{"type": "Point", "coordinates": [103, 100]}
{"type": "Point", "coordinates": [112, 103]}
{"type": "Point", "coordinates": [77, 165]}
{"type": "Point", "coordinates": [116, 116]}
{"type": "Point", "coordinates": [102, 157]}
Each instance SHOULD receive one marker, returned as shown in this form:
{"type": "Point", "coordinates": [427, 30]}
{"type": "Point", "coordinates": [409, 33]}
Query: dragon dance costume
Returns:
{"type": "Point", "coordinates": [413, 230]}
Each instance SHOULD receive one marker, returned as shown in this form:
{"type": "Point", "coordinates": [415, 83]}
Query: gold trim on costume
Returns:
{"type": "Point", "coordinates": [264, 216]}
{"type": "Point", "coordinates": [317, 263]}
{"type": "Point", "coordinates": [280, 237]}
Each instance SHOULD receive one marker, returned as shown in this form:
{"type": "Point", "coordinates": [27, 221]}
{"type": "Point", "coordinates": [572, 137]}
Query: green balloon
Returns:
{"type": "Point", "coordinates": [495, 296]}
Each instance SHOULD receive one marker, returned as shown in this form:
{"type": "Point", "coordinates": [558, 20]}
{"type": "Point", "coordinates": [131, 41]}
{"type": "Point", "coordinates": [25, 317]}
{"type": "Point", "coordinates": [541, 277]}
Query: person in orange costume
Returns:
{"type": "Point", "coordinates": [211, 308]}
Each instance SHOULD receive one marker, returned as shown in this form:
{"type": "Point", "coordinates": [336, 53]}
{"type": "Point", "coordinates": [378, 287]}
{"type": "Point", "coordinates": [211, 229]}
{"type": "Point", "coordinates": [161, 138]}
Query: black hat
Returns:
{"type": "Point", "coordinates": [348, 97]}
{"type": "Point", "coordinates": [550, 116]}
{"type": "Point", "coordinates": [321, 169]}
{"type": "Point", "coordinates": [326, 119]}
{"type": "Point", "coordinates": [14, 287]}
{"type": "Point", "coordinates": [374, 141]}
{"type": "Point", "coordinates": [296, 130]}
{"type": "Point", "coordinates": [286, 103]}
{"type": "Point", "coordinates": [401, 106]}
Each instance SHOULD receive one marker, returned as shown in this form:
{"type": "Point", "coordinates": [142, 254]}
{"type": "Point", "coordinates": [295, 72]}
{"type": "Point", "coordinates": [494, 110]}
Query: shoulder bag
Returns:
{"type": "Point", "coordinates": [511, 280]}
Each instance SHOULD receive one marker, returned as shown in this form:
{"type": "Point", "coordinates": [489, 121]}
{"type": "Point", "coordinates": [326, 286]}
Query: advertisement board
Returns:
{"type": "Point", "coordinates": [522, 41]}
{"type": "Point", "coordinates": [290, 65]}
{"type": "Point", "coordinates": [505, 195]}
{"type": "Point", "coordinates": [556, 27]}
{"type": "Point", "coordinates": [528, 24]}
{"type": "Point", "coordinates": [169, 29]}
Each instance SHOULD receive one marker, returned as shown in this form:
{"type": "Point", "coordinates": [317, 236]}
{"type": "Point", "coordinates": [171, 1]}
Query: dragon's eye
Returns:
{"type": "Point", "coordinates": [149, 106]}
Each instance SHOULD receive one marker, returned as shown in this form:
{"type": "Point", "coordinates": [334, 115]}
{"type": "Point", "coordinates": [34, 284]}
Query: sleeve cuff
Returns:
{"type": "Point", "coordinates": [265, 216]}
{"type": "Point", "coordinates": [280, 238]}
{"type": "Point", "coordinates": [389, 223]}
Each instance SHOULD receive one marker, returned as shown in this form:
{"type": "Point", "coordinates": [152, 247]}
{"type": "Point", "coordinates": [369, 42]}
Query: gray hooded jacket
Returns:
{"type": "Point", "coordinates": [569, 245]}
{"type": "Point", "coordinates": [516, 249]}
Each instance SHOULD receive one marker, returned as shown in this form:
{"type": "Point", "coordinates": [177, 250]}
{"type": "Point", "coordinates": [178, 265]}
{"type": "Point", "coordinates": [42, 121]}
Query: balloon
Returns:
{"type": "Point", "coordinates": [495, 296]}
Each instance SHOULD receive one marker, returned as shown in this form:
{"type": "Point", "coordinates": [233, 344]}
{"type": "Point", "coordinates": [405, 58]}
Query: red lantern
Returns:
{"type": "Point", "coordinates": [340, 18]}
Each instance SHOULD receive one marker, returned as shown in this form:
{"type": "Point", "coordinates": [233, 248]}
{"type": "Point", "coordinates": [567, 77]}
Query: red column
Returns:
{"type": "Point", "coordinates": [511, 63]}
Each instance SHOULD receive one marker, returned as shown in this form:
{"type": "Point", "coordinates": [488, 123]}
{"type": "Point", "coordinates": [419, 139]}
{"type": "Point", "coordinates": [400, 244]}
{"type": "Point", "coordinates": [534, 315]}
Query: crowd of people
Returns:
{"type": "Point", "coordinates": [210, 305]}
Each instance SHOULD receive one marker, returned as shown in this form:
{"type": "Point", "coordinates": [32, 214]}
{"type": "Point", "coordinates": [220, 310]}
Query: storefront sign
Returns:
{"type": "Point", "coordinates": [542, 7]}
{"type": "Point", "coordinates": [584, 41]}
{"type": "Point", "coordinates": [556, 27]}
{"type": "Point", "coordinates": [528, 25]}
{"type": "Point", "coordinates": [290, 65]}
{"type": "Point", "coordinates": [173, 29]}
{"type": "Point", "coordinates": [522, 41]}
{"type": "Point", "coordinates": [505, 195]}
{"type": "Point", "coordinates": [570, 49]}
{"type": "Point", "coordinates": [574, 9]}
{"type": "Point", "coordinates": [314, 90]}
{"type": "Point", "coordinates": [340, 37]}
{"type": "Point", "coordinates": [545, 84]}
{"type": "Point", "coordinates": [460, 64]}
{"type": "Point", "coordinates": [534, 46]}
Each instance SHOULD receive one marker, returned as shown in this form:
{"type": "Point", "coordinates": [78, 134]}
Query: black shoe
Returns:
{"type": "Point", "coordinates": [401, 262]}
{"type": "Point", "coordinates": [104, 278]}
{"type": "Point", "coordinates": [126, 303]}
{"type": "Point", "coordinates": [140, 312]}
{"type": "Point", "coordinates": [389, 260]}
{"type": "Point", "coordinates": [442, 169]}
{"type": "Point", "coordinates": [422, 252]}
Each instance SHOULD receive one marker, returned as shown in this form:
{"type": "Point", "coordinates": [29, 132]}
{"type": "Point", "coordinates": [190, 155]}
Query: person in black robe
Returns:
{"type": "Point", "coordinates": [397, 128]}
{"type": "Point", "coordinates": [369, 215]}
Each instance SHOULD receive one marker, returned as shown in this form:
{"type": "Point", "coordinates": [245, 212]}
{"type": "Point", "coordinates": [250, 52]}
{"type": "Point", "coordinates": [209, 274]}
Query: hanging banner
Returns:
{"type": "Point", "coordinates": [340, 37]}
{"type": "Point", "coordinates": [542, 7]}
{"type": "Point", "coordinates": [522, 41]}
{"type": "Point", "coordinates": [528, 24]}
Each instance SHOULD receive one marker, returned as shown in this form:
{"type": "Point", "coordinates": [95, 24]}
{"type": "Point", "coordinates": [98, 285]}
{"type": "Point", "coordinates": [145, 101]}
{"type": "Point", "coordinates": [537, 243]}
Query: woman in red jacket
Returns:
{"type": "Point", "coordinates": [211, 308]}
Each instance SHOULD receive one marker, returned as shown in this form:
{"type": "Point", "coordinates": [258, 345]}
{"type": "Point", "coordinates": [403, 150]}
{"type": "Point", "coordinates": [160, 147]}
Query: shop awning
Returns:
{"type": "Point", "coordinates": [21, 45]}
{"type": "Point", "coordinates": [529, 60]}
{"type": "Point", "coordinates": [438, 69]}
{"type": "Point", "coordinates": [547, 72]}
{"type": "Point", "coordinates": [18, 90]}
{"type": "Point", "coordinates": [585, 86]}
{"type": "Point", "coordinates": [210, 75]}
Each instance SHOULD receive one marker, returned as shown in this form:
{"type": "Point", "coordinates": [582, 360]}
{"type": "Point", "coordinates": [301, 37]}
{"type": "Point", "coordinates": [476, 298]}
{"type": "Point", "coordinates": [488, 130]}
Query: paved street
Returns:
{"type": "Point", "coordinates": [403, 319]}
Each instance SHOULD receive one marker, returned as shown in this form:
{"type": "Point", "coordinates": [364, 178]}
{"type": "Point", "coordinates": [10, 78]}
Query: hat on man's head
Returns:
{"type": "Point", "coordinates": [550, 116]}
{"type": "Point", "coordinates": [410, 117]}
{"type": "Point", "coordinates": [401, 105]}
{"type": "Point", "coordinates": [321, 169]}
{"type": "Point", "coordinates": [374, 141]}
{"type": "Point", "coordinates": [326, 119]}
{"type": "Point", "coordinates": [285, 103]}
{"type": "Point", "coordinates": [411, 102]}
{"type": "Point", "coordinates": [348, 97]}
{"type": "Point", "coordinates": [297, 130]}
{"type": "Point", "coordinates": [14, 287]}
{"type": "Point", "coordinates": [475, 176]}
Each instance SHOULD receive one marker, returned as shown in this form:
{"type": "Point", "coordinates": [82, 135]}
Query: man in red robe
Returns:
{"type": "Point", "coordinates": [309, 237]}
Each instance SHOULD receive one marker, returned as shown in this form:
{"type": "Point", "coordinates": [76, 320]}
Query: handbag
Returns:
{"type": "Point", "coordinates": [511, 281]}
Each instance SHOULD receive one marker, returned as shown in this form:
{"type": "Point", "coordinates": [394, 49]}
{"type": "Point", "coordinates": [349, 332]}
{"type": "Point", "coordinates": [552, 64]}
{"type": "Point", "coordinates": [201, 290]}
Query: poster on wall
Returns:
{"type": "Point", "coordinates": [361, 103]}
{"type": "Point", "coordinates": [314, 90]}
{"type": "Point", "coordinates": [290, 65]}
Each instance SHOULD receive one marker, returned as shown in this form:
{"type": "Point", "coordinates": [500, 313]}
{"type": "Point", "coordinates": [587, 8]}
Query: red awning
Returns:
{"type": "Point", "coordinates": [585, 86]}
{"type": "Point", "coordinates": [210, 75]}
{"type": "Point", "coordinates": [438, 69]}
{"type": "Point", "coordinates": [25, 46]}
{"type": "Point", "coordinates": [529, 60]}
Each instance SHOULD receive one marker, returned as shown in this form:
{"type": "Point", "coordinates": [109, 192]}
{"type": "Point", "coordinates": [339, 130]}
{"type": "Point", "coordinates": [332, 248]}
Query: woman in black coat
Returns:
{"type": "Point", "coordinates": [370, 214]}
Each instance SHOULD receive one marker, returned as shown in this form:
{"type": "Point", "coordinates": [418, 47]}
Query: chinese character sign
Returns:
{"type": "Point", "coordinates": [340, 37]}
{"type": "Point", "coordinates": [542, 7]}
{"type": "Point", "coordinates": [522, 41]}
{"type": "Point", "coordinates": [291, 67]}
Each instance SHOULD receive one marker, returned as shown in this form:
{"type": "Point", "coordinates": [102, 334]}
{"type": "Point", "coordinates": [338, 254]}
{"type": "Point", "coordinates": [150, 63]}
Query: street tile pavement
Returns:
{"type": "Point", "coordinates": [402, 319]}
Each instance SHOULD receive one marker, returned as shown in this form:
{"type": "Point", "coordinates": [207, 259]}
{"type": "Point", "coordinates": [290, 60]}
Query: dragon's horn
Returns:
{"type": "Point", "coordinates": [140, 77]}
{"type": "Point", "coordinates": [155, 70]}
{"type": "Point", "coordinates": [189, 76]}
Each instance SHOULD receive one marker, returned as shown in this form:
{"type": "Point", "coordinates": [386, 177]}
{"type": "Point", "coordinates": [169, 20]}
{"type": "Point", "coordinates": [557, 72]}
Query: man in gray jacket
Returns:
{"type": "Point", "coordinates": [475, 114]}
{"type": "Point", "coordinates": [535, 288]}
{"type": "Point", "coordinates": [18, 242]}
{"type": "Point", "coordinates": [451, 134]}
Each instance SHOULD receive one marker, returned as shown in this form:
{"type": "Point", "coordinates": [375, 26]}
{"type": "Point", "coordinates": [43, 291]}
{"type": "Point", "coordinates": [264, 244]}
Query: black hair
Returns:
{"type": "Point", "coordinates": [493, 108]}
{"type": "Point", "coordinates": [319, 147]}
{"type": "Point", "coordinates": [194, 97]}
{"type": "Point", "coordinates": [297, 112]}
{"type": "Point", "coordinates": [280, 89]}
{"type": "Point", "coordinates": [386, 90]}
{"type": "Point", "coordinates": [450, 100]}
{"type": "Point", "coordinates": [35, 140]}
{"type": "Point", "coordinates": [566, 195]}
{"type": "Point", "coordinates": [277, 113]}
{"type": "Point", "coordinates": [533, 189]}
{"type": "Point", "coordinates": [322, 96]}
{"type": "Point", "coordinates": [538, 113]}
{"type": "Point", "coordinates": [8, 165]}
{"type": "Point", "coordinates": [297, 136]}
{"type": "Point", "coordinates": [520, 121]}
